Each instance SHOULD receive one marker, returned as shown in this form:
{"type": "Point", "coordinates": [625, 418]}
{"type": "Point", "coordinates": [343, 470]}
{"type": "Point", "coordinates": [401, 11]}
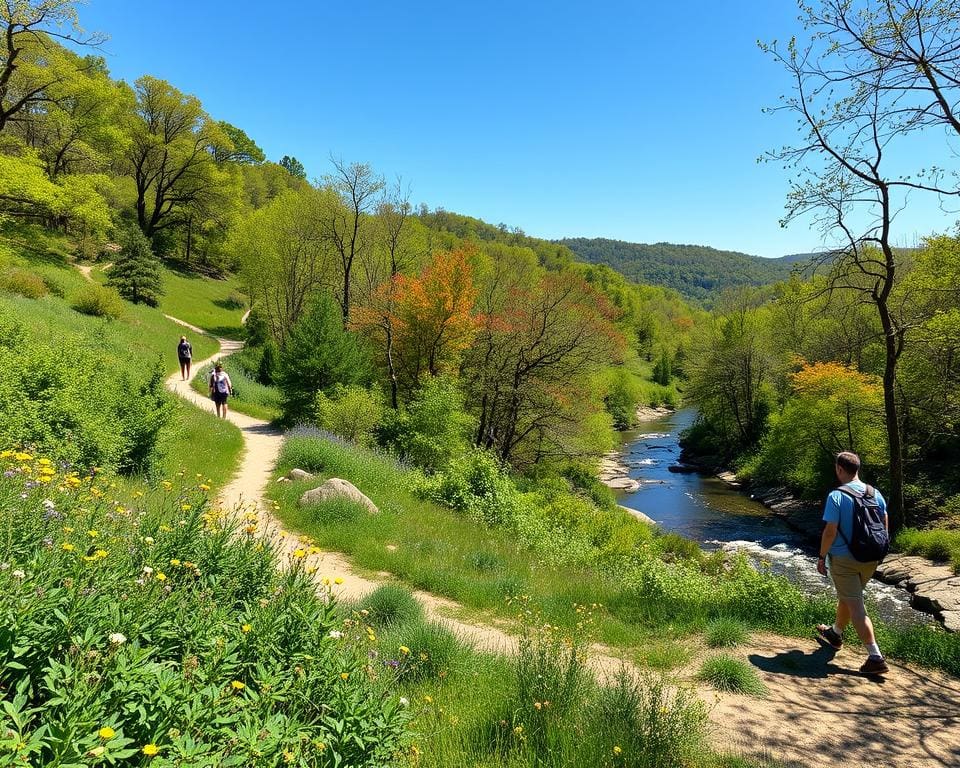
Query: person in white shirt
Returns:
{"type": "Point", "coordinates": [220, 389]}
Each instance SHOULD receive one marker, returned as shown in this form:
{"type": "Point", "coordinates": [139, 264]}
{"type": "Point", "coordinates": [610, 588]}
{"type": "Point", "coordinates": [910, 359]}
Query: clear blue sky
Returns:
{"type": "Point", "coordinates": [638, 121]}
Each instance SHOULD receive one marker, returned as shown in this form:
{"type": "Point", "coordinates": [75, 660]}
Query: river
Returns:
{"type": "Point", "coordinates": [711, 512]}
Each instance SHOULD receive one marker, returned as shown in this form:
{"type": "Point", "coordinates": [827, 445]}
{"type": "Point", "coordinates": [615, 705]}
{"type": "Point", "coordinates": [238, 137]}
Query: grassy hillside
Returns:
{"type": "Point", "coordinates": [698, 272]}
{"type": "Point", "coordinates": [76, 367]}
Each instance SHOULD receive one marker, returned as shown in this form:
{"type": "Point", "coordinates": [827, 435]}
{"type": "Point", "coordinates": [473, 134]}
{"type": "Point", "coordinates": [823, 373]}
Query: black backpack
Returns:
{"type": "Point", "coordinates": [870, 541]}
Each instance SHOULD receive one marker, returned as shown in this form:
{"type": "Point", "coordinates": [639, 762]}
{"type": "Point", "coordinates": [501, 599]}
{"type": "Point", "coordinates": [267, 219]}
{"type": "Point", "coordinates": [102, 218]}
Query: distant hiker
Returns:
{"type": "Point", "coordinates": [220, 389]}
{"type": "Point", "coordinates": [185, 355]}
{"type": "Point", "coordinates": [855, 538]}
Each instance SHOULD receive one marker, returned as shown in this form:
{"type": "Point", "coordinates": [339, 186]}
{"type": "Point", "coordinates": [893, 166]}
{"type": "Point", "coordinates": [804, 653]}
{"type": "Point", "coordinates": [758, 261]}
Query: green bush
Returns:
{"type": "Point", "coordinates": [152, 624]}
{"type": "Point", "coordinates": [433, 430]}
{"type": "Point", "coordinates": [318, 354]}
{"type": "Point", "coordinates": [726, 673]}
{"type": "Point", "coordinates": [624, 394]}
{"type": "Point", "coordinates": [937, 544]}
{"type": "Point", "coordinates": [476, 483]}
{"type": "Point", "coordinates": [725, 632]}
{"type": "Point", "coordinates": [351, 412]}
{"type": "Point", "coordinates": [24, 283]}
{"type": "Point", "coordinates": [390, 605]}
{"type": "Point", "coordinates": [98, 301]}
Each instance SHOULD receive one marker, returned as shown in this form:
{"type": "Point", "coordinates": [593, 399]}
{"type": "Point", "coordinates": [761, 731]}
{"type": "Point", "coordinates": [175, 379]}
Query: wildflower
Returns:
{"type": "Point", "coordinates": [93, 534]}
{"type": "Point", "coordinates": [404, 701]}
{"type": "Point", "coordinates": [336, 634]}
{"type": "Point", "coordinates": [204, 487]}
{"type": "Point", "coordinates": [147, 570]}
{"type": "Point", "coordinates": [185, 507]}
{"type": "Point", "coordinates": [117, 639]}
{"type": "Point", "coordinates": [106, 733]}
{"type": "Point", "coordinates": [245, 628]}
{"type": "Point", "coordinates": [238, 686]}
{"type": "Point", "coordinates": [67, 547]}
{"type": "Point", "coordinates": [287, 756]}
{"type": "Point", "coordinates": [148, 540]}
{"type": "Point", "coordinates": [344, 675]}
{"type": "Point", "coordinates": [138, 494]}
{"type": "Point", "coordinates": [617, 750]}
{"type": "Point", "coordinates": [404, 650]}
{"type": "Point", "coordinates": [20, 456]}
{"type": "Point", "coordinates": [68, 529]}
{"type": "Point", "coordinates": [18, 574]}
{"type": "Point", "coordinates": [174, 562]}
{"type": "Point", "coordinates": [97, 751]}
{"type": "Point", "coordinates": [299, 553]}
{"type": "Point", "coordinates": [150, 749]}
{"type": "Point", "coordinates": [338, 580]}
{"type": "Point", "coordinates": [161, 576]}
{"type": "Point", "coordinates": [428, 699]}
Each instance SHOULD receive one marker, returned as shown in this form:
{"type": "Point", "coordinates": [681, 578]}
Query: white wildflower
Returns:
{"type": "Point", "coordinates": [117, 639]}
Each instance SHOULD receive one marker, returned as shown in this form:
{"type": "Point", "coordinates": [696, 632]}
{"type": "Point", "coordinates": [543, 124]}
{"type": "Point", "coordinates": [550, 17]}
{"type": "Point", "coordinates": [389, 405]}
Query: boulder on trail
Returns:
{"type": "Point", "coordinates": [299, 474]}
{"type": "Point", "coordinates": [335, 488]}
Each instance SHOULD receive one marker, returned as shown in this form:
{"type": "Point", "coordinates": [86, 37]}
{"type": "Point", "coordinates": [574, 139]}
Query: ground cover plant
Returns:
{"type": "Point", "coordinates": [143, 630]}
{"type": "Point", "coordinates": [480, 556]}
{"type": "Point", "coordinates": [942, 545]}
{"type": "Point", "coordinates": [726, 673]}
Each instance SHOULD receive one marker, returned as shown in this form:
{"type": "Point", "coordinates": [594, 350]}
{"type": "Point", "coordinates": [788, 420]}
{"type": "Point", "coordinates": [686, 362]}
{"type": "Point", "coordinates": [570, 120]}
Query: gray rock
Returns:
{"type": "Point", "coordinates": [639, 515]}
{"type": "Point", "coordinates": [335, 488]}
{"type": "Point", "coordinates": [951, 620]}
{"type": "Point", "coordinates": [299, 474]}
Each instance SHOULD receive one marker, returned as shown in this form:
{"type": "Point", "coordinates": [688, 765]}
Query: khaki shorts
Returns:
{"type": "Point", "coordinates": [850, 576]}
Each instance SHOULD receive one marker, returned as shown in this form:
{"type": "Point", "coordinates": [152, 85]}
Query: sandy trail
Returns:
{"type": "Point", "coordinates": [819, 709]}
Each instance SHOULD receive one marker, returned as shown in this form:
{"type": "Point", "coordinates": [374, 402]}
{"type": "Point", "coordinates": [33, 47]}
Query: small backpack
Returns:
{"type": "Point", "coordinates": [869, 541]}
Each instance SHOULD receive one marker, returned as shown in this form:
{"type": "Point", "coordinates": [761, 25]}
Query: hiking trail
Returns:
{"type": "Point", "coordinates": [819, 709]}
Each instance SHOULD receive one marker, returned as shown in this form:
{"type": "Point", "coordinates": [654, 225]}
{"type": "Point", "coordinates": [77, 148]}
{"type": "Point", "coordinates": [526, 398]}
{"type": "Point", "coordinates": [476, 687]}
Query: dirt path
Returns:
{"type": "Point", "coordinates": [818, 709]}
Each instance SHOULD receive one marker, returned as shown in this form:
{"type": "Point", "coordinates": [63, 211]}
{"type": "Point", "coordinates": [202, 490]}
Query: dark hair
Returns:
{"type": "Point", "coordinates": [849, 461]}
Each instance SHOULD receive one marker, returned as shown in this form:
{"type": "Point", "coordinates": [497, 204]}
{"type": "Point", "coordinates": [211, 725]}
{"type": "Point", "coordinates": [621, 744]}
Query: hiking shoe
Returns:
{"type": "Point", "coordinates": [829, 636]}
{"type": "Point", "coordinates": [874, 665]}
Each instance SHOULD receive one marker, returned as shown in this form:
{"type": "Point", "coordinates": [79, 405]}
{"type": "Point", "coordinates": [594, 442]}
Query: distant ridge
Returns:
{"type": "Point", "coordinates": [698, 272]}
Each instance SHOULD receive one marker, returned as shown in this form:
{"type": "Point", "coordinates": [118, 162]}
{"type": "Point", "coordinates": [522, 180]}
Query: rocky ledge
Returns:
{"type": "Point", "coordinates": [933, 588]}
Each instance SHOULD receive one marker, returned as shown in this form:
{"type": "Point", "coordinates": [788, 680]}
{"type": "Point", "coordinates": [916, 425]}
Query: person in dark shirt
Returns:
{"type": "Point", "coordinates": [185, 355]}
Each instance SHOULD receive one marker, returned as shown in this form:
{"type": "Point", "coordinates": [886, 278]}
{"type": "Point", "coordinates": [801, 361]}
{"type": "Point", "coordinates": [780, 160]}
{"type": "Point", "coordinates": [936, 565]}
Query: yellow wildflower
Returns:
{"type": "Point", "coordinates": [338, 580]}
{"type": "Point", "coordinates": [237, 685]}
{"type": "Point", "coordinates": [617, 750]}
{"type": "Point", "coordinates": [161, 576]}
{"type": "Point", "coordinates": [67, 546]}
{"type": "Point", "coordinates": [185, 507]}
{"type": "Point", "coordinates": [344, 675]}
{"type": "Point", "coordinates": [174, 562]}
{"type": "Point", "coordinates": [106, 732]}
{"type": "Point", "coordinates": [245, 628]}
{"type": "Point", "coordinates": [93, 534]}
{"type": "Point", "coordinates": [23, 456]}
{"type": "Point", "coordinates": [404, 650]}
{"type": "Point", "coordinates": [299, 553]}
{"type": "Point", "coordinates": [150, 749]}
{"type": "Point", "coordinates": [204, 487]}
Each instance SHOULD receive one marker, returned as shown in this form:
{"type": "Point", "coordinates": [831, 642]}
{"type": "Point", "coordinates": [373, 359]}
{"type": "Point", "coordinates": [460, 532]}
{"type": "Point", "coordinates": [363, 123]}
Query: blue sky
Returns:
{"type": "Point", "coordinates": [635, 120]}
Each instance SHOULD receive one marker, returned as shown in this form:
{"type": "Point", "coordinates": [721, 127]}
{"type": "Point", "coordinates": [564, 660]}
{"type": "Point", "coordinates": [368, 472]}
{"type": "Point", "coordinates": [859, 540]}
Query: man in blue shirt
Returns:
{"type": "Point", "coordinates": [849, 576]}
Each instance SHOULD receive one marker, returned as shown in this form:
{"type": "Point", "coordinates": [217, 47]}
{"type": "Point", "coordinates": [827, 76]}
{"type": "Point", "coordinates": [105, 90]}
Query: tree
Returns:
{"type": "Point", "coordinates": [318, 355]}
{"type": "Point", "coordinates": [135, 272]}
{"type": "Point", "coordinates": [869, 80]}
{"type": "Point", "coordinates": [240, 149]}
{"type": "Point", "coordinates": [284, 256]}
{"type": "Point", "coordinates": [31, 62]}
{"type": "Point", "coordinates": [294, 167]}
{"type": "Point", "coordinates": [347, 225]}
{"type": "Point", "coordinates": [171, 156]}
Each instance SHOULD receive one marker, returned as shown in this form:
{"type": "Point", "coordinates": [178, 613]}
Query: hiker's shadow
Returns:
{"type": "Point", "coordinates": [816, 664]}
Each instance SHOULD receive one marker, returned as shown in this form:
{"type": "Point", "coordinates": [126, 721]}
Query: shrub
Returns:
{"type": "Point", "coordinates": [269, 360]}
{"type": "Point", "coordinates": [476, 484]}
{"type": "Point", "coordinates": [726, 673]}
{"type": "Point", "coordinates": [622, 398]}
{"type": "Point", "coordinates": [434, 429]}
{"type": "Point", "coordinates": [726, 633]}
{"type": "Point", "coordinates": [98, 301]}
{"type": "Point", "coordinates": [351, 412]}
{"type": "Point", "coordinates": [318, 354]}
{"type": "Point", "coordinates": [24, 283]}
{"type": "Point", "coordinates": [136, 272]}
{"type": "Point", "coordinates": [390, 605]}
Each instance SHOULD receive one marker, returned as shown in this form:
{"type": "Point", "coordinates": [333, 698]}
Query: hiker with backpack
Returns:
{"type": "Point", "coordinates": [855, 539]}
{"type": "Point", "coordinates": [185, 356]}
{"type": "Point", "coordinates": [220, 388]}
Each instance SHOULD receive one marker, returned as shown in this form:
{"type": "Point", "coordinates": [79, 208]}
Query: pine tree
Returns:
{"type": "Point", "coordinates": [136, 272]}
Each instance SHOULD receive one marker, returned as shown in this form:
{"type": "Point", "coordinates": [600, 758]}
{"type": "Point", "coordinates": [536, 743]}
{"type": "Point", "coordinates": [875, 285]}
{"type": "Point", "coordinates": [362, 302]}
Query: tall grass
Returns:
{"type": "Point", "coordinates": [938, 544]}
{"type": "Point", "coordinates": [203, 301]}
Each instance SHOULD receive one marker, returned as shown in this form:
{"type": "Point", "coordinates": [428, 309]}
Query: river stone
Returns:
{"type": "Point", "coordinates": [622, 484]}
{"type": "Point", "coordinates": [299, 474]}
{"type": "Point", "coordinates": [335, 488]}
{"type": "Point", "coordinates": [639, 515]}
{"type": "Point", "coordinates": [951, 621]}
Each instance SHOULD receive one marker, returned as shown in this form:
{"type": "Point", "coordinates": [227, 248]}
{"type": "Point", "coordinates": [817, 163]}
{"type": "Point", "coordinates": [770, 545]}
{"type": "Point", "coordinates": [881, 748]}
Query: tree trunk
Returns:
{"type": "Point", "coordinates": [895, 500]}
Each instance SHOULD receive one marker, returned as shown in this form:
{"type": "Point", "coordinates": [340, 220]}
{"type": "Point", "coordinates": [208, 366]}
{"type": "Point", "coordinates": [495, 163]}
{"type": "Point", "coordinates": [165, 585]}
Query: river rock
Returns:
{"type": "Point", "coordinates": [335, 488]}
{"type": "Point", "coordinates": [639, 515]}
{"type": "Point", "coordinates": [682, 469]}
{"type": "Point", "coordinates": [627, 484]}
{"type": "Point", "coordinates": [299, 474]}
{"type": "Point", "coordinates": [951, 620]}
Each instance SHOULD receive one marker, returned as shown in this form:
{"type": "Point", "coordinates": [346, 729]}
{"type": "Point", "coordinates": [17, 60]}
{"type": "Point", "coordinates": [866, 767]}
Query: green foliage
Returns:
{"type": "Point", "coordinates": [725, 673]}
{"type": "Point", "coordinates": [938, 544]}
{"type": "Point", "coordinates": [725, 632]}
{"type": "Point", "coordinates": [351, 412]}
{"type": "Point", "coordinates": [99, 301]}
{"type": "Point", "coordinates": [293, 166]}
{"type": "Point", "coordinates": [661, 371]}
{"type": "Point", "coordinates": [434, 428]}
{"type": "Point", "coordinates": [135, 273]}
{"type": "Point", "coordinates": [269, 361]}
{"type": "Point", "coordinates": [318, 355]}
{"type": "Point", "coordinates": [23, 283]}
{"type": "Point", "coordinates": [624, 394]}
{"type": "Point", "coordinates": [203, 618]}
{"type": "Point", "coordinates": [423, 650]}
{"type": "Point", "coordinates": [390, 605]}
{"type": "Point", "coordinates": [475, 483]}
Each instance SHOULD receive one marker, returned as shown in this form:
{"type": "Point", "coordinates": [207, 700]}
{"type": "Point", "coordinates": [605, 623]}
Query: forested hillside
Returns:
{"type": "Point", "coordinates": [697, 272]}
